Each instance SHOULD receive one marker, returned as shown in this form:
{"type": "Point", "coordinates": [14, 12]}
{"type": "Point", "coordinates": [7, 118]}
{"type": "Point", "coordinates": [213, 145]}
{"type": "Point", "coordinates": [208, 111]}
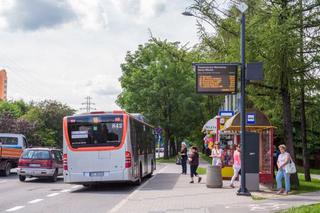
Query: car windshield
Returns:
{"type": "Point", "coordinates": [36, 154]}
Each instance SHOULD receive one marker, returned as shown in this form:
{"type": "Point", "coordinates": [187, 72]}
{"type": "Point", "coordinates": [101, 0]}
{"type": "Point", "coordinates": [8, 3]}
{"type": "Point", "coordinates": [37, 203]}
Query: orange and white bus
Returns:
{"type": "Point", "coordinates": [107, 147]}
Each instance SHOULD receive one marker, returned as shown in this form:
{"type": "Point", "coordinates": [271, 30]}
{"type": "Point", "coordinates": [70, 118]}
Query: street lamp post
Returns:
{"type": "Point", "coordinates": [243, 189]}
{"type": "Point", "coordinates": [242, 7]}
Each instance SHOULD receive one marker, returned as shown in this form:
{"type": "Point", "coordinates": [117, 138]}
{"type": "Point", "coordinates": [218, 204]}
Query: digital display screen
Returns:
{"type": "Point", "coordinates": [216, 78]}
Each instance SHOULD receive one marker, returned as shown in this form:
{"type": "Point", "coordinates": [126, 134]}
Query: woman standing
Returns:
{"type": "Point", "coordinates": [194, 163]}
{"type": "Point", "coordinates": [283, 159]}
{"type": "Point", "coordinates": [236, 165]}
{"type": "Point", "coordinates": [184, 157]}
{"type": "Point", "coordinates": [216, 155]}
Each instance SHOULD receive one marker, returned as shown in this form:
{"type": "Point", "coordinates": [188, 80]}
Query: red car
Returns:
{"type": "Point", "coordinates": [40, 162]}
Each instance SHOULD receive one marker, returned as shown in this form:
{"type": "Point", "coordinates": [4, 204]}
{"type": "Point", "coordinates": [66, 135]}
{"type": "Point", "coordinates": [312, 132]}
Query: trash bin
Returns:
{"type": "Point", "coordinates": [214, 177]}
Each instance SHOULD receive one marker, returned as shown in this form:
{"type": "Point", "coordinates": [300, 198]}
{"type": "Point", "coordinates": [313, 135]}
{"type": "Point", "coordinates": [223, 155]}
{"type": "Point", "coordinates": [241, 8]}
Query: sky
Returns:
{"type": "Point", "coordinates": [69, 49]}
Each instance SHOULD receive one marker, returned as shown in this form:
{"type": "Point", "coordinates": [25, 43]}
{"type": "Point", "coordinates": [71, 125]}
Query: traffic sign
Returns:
{"type": "Point", "coordinates": [216, 78]}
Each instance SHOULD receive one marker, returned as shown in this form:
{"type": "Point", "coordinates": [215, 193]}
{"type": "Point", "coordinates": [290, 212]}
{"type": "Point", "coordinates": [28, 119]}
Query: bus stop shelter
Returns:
{"type": "Point", "coordinates": [257, 122]}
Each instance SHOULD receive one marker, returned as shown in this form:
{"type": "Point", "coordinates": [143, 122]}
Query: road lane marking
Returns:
{"type": "Point", "coordinates": [52, 195]}
{"type": "Point", "coordinates": [3, 181]}
{"type": "Point", "coordinates": [14, 208]}
{"type": "Point", "coordinates": [121, 203]}
{"type": "Point", "coordinates": [76, 186]}
{"type": "Point", "coordinates": [65, 190]}
{"type": "Point", "coordinates": [35, 201]}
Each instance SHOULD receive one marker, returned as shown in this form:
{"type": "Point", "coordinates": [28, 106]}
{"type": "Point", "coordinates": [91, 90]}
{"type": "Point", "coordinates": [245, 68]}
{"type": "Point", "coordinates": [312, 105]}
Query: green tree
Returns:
{"type": "Point", "coordinates": [158, 81]}
{"type": "Point", "coordinates": [48, 116]}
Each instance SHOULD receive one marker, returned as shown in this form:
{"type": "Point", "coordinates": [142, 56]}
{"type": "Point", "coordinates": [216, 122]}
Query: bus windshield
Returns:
{"type": "Point", "coordinates": [93, 130]}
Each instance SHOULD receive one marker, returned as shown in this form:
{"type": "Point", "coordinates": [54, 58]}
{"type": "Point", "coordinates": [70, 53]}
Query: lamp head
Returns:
{"type": "Point", "coordinates": [186, 13]}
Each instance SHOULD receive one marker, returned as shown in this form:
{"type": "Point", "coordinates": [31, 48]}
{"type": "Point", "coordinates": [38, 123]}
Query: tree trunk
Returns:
{"type": "Point", "coordinates": [285, 93]}
{"type": "Point", "coordinates": [305, 153]}
{"type": "Point", "coordinates": [166, 144]}
{"type": "Point", "coordinates": [287, 130]}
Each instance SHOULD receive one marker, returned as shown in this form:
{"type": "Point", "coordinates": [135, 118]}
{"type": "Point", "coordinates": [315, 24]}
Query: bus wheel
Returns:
{"type": "Point", "coordinates": [139, 181]}
{"type": "Point", "coordinates": [151, 173]}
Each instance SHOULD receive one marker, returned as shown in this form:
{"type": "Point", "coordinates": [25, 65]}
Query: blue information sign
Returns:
{"type": "Point", "coordinates": [251, 118]}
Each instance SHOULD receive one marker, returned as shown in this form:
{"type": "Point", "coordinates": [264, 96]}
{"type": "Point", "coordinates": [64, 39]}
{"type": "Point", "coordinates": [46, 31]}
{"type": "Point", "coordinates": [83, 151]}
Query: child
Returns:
{"type": "Point", "coordinates": [194, 163]}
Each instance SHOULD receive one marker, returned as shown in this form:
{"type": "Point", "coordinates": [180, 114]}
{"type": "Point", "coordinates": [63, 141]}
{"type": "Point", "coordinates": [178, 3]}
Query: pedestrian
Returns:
{"type": "Point", "coordinates": [276, 154]}
{"type": "Point", "coordinates": [184, 157]}
{"type": "Point", "coordinates": [283, 159]}
{"type": "Point", "coordinates": [236, 165]}
{"type": "Point", "coordinates": [216, 155]}
{"type": "Point", "coordinates": [194, 163]}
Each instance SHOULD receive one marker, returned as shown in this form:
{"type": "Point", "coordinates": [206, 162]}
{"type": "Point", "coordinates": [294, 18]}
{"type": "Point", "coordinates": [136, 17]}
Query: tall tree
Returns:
{"type": "Point", "coordinates": [158, 81]}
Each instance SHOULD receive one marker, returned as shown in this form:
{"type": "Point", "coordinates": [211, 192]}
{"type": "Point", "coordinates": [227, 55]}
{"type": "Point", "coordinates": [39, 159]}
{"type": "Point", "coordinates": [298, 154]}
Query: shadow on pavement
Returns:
{"type": "Point", "coordinates": [162, 181]}
{"type": "Point", "coordinates": [107, 188]}
{"type": "Point", "coordinates": [43, 180]}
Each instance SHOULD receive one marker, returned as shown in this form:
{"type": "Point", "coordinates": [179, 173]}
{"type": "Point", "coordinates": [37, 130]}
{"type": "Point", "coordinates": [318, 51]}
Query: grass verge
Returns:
{"type": "Point", "coordinates": [315, 208]}
{"type": "Point", "coordinates": [201, 171]}
{"type": "Point", "coordinates": [312, 171]}
{"type": "Point", "coordinates": [169, 160]}
{"type": "Point", "coordinates": [305, 186]}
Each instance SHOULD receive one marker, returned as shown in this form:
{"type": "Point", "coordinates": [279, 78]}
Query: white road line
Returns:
{"type": "Point", "coordinates": [35, 201]}
{"type": "Point", "coordinates": [76, 186]}
{"type": "Point", "coordinates": [14, 208]}
{"type": "Point", "coordinates": [52, 195]}
{"type": "Point", "coordinates": [121, 203]}
{"type": "Point", "coordinates": [65, 190]}
{"type": "Point", "coordinates": [3, 181]}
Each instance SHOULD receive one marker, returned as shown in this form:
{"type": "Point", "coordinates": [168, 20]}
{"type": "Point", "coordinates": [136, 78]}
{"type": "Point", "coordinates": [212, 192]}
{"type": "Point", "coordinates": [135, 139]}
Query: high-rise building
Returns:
{"type": "Point", "coordinates": [3, 84]}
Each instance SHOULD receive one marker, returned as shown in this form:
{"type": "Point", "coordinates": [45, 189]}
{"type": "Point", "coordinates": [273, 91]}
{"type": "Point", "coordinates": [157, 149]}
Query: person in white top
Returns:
{"type": "Point", "coordinates": [283, 160]}
{"type": "Point", "coordinates": [216, 155]}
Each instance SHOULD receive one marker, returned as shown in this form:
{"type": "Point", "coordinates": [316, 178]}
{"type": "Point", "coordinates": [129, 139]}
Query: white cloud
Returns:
{"type": "Point", "coordinates": [91, 14]}
{"type": "Point", "coordinates": [82, 57]}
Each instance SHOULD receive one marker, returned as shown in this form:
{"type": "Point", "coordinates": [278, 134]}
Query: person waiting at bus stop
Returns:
{"type": "Point", "coordinates": [236, 165]}
{"type": "Point", "coordinates": [216, 155]}
{"type": "Point", "coordinates": [283, 160]}
{"type": "Point", "coordinates": [194, 163]}
{"type": "Point", "coordinates": [184, 157]}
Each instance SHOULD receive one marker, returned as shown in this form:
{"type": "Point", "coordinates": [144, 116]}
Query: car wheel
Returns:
{"type": "Point", "coordinates": [55, 176]}
{"type": "Point", "coordinates": [22, 178]}
{"type": "Point", "coordinates": [7, 169]}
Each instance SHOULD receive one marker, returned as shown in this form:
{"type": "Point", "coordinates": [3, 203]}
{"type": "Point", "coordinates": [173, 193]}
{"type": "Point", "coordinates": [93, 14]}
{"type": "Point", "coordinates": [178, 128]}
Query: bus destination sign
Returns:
{"type": "Point", "coordinates": [216, 78]}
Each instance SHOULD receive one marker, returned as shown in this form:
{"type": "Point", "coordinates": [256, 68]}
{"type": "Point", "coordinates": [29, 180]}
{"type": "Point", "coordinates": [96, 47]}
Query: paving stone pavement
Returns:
{"type": "Point", "coordinates": [169, 191]}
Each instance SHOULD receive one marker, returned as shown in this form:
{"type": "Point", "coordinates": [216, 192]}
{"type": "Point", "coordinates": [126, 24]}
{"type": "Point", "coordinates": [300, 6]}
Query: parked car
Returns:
{"type": "Point", "coordinates": [41, 163]}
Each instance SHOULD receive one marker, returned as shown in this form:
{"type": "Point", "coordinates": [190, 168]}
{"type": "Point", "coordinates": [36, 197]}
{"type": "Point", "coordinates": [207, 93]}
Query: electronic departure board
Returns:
{"type": "Point", "coordinates": [216, 78]}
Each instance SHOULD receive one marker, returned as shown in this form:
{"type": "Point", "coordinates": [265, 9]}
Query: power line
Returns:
{"type": "Point", "coordinates": [88, 104]}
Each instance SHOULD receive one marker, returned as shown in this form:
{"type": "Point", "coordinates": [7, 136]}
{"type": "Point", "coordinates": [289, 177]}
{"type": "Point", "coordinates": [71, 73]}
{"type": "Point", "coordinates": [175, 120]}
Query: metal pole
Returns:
{"type": "Point", "coordinates": [243, 190]}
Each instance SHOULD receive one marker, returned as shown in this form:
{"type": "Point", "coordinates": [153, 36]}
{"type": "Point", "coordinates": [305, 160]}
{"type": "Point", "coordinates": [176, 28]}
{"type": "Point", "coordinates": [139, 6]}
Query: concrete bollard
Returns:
{"type": "Point", "coordinates": [214, 177]}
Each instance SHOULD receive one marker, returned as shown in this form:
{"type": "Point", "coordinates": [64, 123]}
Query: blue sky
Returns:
{"type": "Point", "coordinates": [68, 49]}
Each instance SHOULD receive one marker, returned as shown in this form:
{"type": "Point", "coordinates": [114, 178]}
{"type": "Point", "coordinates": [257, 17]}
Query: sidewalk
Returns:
{"type": "Point", "coordinates": [169, 191]}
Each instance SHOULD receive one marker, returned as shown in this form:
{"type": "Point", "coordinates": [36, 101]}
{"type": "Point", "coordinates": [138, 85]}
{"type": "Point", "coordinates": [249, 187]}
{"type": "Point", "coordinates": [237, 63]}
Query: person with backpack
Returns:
{"type": "Point", "coordinates": [194, 163]}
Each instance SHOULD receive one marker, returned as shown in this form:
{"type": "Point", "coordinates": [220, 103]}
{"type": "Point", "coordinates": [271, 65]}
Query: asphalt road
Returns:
{"type": "Point", "coordinates": [36, 195]}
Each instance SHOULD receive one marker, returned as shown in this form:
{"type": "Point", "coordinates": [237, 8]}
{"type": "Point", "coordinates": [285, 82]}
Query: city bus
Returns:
{"type": "Point", "coordinates": [107, 147]}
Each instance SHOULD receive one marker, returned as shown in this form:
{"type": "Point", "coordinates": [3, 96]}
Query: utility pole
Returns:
{"type": "Point", "coordinates": [88, 104]}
